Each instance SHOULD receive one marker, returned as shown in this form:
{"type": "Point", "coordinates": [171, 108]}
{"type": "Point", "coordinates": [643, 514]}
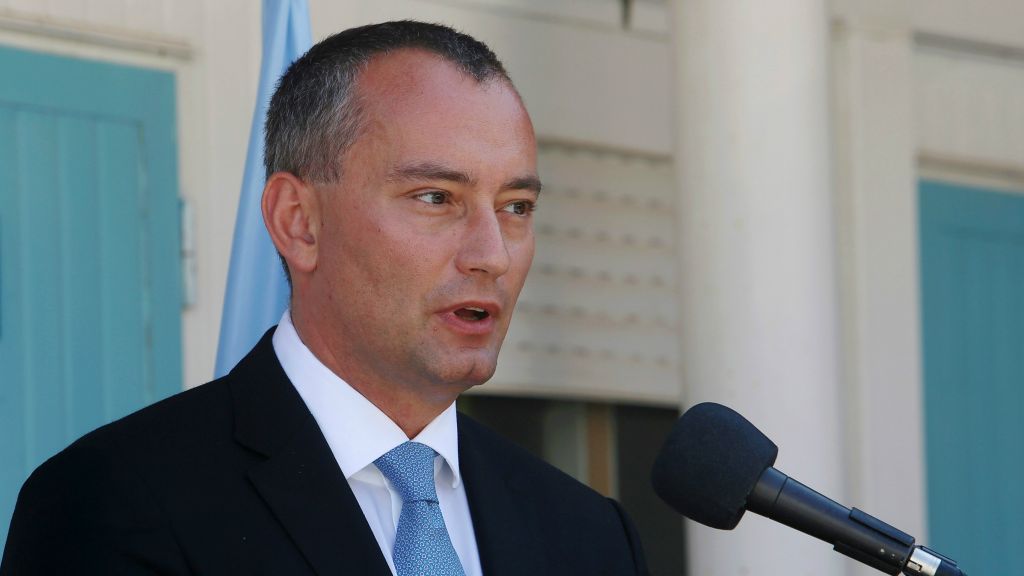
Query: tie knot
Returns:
{"type": "Point", "coordinates": [410, 468]}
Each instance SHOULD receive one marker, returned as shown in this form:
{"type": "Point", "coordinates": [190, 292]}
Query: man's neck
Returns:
{"type": "Point", "coordinates": [408, 407]}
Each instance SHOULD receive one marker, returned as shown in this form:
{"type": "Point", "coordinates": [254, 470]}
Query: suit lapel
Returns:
{"type": "Point", "coordinates": [309, 495]}
{"type": "Point", "coordinates": [499, 503]}
{"type": "Point", "coordinates": [300, 480]}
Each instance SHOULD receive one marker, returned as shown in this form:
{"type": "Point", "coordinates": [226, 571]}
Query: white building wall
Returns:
{"type": "Point", "coordinates": [969, 105]}
{"type": "Point", "coordinates": [993, 22]}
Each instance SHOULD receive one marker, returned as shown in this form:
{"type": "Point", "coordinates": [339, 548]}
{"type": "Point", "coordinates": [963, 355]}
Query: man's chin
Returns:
{"type": "Point", "coordinates": [467, 372]}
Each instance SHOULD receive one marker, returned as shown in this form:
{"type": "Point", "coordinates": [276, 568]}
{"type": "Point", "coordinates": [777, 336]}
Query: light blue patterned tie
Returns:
{"type": "Point", "coordinates": [422, 545]}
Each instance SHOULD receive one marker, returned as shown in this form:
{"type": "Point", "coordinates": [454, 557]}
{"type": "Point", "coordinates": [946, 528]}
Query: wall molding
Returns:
{"type": "Point", "coordinates": [957, 45]}
{"type": "Point", "coordinates": [972, 171]}
{"type": "Point", "coordinates": [92, 35]}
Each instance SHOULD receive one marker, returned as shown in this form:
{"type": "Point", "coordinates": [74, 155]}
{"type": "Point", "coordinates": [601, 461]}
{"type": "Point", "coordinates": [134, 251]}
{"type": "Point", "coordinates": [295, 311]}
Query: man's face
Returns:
{"type": "Point", "coordinates": [426, 240]}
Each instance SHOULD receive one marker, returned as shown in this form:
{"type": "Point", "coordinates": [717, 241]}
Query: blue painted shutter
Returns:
{"type": "Point", "coordinates": [972, 249]}
{"type": "Point", "coordinates": [89, 253]}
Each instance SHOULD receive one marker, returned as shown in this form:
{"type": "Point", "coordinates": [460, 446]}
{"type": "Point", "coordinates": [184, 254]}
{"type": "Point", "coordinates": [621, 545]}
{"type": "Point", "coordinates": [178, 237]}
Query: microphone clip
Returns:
{"type": "Point", "coordinates": [927, 562]}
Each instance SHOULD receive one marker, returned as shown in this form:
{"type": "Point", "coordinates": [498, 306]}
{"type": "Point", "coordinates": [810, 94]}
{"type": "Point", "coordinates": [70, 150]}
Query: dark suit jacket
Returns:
{"type": "Point", "coordinates": [235, 477]}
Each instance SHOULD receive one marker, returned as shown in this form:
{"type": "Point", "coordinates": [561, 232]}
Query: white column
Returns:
{"type": "Point", "coordinates": [757, 240]}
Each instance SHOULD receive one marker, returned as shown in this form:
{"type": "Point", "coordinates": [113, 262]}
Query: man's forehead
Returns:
{"type": "Point", "coordinates": [403, 76]}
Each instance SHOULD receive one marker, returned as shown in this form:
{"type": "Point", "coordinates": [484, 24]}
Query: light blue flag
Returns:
{"type": "Point", "coordinates": [257, 291]}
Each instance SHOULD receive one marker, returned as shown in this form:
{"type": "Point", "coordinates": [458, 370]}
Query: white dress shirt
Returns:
{"type": "Point", "coordinates": [359, 433]}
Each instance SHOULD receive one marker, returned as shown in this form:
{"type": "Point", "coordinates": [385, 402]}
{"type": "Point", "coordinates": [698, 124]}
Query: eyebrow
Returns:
{"type": "Point", "coordinates": [524, 183]}
{"type": "Point", "coordinates": [429, 171]}
{"type": "Point", "coordinates": [434, 171]}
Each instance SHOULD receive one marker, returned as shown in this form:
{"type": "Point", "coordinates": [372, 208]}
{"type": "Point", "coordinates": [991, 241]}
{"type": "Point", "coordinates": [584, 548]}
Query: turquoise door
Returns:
{"type": "Point", "coordinates": [89, 253]}
{"type": "Point", "coordinates": [972, 249]}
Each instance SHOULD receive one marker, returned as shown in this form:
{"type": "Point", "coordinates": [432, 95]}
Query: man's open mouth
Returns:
{"type": "Point", "coordinates": [472, 313]}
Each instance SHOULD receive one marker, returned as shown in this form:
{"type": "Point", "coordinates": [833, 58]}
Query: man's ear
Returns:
{"type": "Point", "coordinates": [291, 212]}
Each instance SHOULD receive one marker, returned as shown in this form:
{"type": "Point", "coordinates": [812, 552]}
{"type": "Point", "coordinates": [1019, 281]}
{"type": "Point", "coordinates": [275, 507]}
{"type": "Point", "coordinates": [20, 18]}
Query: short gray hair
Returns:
{"type": "Point", "coordinates": [315, 113]}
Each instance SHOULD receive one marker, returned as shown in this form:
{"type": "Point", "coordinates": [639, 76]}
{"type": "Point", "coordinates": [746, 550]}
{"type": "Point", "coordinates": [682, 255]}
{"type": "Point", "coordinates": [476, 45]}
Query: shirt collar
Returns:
{"type": "Point", "coordinates": [355, 429]}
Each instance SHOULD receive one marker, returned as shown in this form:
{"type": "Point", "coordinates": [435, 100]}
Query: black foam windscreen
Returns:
{"type": "Point", "coordinates": [710, 463]}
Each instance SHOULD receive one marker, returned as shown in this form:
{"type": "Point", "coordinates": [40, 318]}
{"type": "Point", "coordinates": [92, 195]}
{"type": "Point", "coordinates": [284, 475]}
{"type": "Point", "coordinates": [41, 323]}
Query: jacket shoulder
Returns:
{"type": "Point", "coordinates": [200, 412]}
{"type": "Point", "coordinates": [91, 504]}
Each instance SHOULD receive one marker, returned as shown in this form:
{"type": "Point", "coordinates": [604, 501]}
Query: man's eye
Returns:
{"type": "Point", "coordinates": [519, 207]}
{"type": "Point", "coordinates": [432, 197]}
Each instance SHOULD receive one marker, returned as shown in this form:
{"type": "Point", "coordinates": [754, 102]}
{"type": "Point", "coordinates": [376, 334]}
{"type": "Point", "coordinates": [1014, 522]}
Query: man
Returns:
{"type": "Point", "coordinates": [401, 180]}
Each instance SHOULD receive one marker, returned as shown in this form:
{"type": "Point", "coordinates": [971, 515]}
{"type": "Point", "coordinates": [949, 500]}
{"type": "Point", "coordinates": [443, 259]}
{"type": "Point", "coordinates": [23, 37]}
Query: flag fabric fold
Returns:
{"type": "Point", "coordinates": [257, 292]}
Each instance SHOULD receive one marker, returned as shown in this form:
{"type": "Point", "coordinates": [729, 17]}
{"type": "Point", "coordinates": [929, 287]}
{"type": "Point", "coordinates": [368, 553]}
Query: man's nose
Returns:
{"type": "Point", "coordinates": [483, 249]}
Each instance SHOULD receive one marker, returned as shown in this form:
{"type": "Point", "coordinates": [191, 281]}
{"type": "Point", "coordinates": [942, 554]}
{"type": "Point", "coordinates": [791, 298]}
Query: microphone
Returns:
{"type": "Point", "coordinates": [715, 465]}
